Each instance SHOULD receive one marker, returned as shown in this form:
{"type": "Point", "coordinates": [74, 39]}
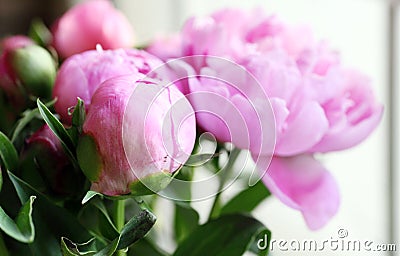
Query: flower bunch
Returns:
{"type": "Point", "coordinates": [96, 131]}
{"type": "Point", "coordinates": [318, 105]}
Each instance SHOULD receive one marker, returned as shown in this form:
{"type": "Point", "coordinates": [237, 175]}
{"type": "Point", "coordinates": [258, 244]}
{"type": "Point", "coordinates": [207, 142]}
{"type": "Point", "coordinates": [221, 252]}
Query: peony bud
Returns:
{"type": "Point", "coordinates": [35, 69]}
{"type": "Point", "coordinates": [24, 62]}
{"type": "Point", "coordinates": [91, 23]}
{"type": "Point", "coordinates": [81, 74]}
{"type": "Point", "coordinates": [8, 79]}
{"type": "Point", "coordinates": [128, 136]}
{"type": "Point", "coordinates": [45, 150]}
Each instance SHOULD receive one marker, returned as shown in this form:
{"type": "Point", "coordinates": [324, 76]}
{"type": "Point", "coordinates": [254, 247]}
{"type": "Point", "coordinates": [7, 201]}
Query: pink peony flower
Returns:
{"type": "Point", "coordinates": [318, 105]}
{"type": "Point", "coordinates": [81, 74]}
{"type": "Point", "coordinates": [166, 47]}
{"type": "Point", "coordinates": [129, 129]}
{"type": "Point", "coordinates": [90, 23]}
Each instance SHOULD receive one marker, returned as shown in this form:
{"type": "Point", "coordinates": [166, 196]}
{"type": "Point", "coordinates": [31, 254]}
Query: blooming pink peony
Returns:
{"type": "Point", "coordinates": [81, 74]}
{"type": "Point", "coordinates": [318, 105]}
{"type": "Point", "coordinates": [90, 23]}
{"type": "Point", "coordinates": [128, 126]}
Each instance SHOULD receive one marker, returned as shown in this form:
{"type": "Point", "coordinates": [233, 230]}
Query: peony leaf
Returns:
{"type": "Point", "coordinates": [79, 114]}
{"type": "Point", "coordinates": [69, 248]}
{"type": "Point", "coordinates": [47, 236]}
{"type": "Point", "coordinates": [228, 235]}
{"type": "Point", "coordinates": [55, 125]}
{"type": "Point", "coordinates": [136, 228]}
{"type": "Point", "coordinates": [22, 229]}
{"type": "Point", "coordinates": [247, 200]}
{"type": "Point", "coordinates": [27, 116]}
{"type": "Point", "coordinates": [145, 247]}
{"type": "Point", "coordinates": [59, 130]}
{"type": "Point", "coordinates": [8, 153]}
{"type": "Point", "coordinates": [186, 220]}
{"type": "Point", "coordinates": [78, 118]}
{"type": "Point", "coordinates": [89, 195]}
{"type": "Point", "coordinates": [40, 33]}
{"type": "Point", "coordinates": [94, 217]}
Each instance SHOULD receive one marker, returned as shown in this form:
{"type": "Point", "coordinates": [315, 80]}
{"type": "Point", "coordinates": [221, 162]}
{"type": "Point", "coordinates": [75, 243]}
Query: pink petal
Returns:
{"type": "Point", "coordinates": [351, 135]}
{"type": "Point", "coordinates": [302, 183]}
{"type": "Point", "coordinates": [304, 131]}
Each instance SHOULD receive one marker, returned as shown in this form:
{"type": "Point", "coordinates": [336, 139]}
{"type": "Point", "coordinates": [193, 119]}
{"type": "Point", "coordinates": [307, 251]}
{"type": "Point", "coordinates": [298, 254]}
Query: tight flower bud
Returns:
{"type": "Point", "coordinates": [8, 79]}
{"type": "Point", "coordinates": [44, 149]}
{"type": "Point", "coordinates": [24, 62]}
{"type": "Point", "coordinates": [128, 135]}
{"type": "Point", "coordinates": [91, 23]}
{"type": "Point", "coordinates": [81, 74]}
{"type": "Point", "coordinates": [35, 69]}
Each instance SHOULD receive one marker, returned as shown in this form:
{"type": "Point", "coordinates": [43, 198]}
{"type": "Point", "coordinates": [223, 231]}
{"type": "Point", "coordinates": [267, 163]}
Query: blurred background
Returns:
{"type": "Point", "coordinates": [365, 32]}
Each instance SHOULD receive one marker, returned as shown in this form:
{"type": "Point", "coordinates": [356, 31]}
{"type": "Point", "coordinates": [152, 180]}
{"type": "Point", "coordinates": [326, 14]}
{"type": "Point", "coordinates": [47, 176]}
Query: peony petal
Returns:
{"type": "Point", "coordinates": [303, 131]}
{"type": "Point", "coordinates": [350, 136]}
{"type": "Point", "coordinates": [302, 183]}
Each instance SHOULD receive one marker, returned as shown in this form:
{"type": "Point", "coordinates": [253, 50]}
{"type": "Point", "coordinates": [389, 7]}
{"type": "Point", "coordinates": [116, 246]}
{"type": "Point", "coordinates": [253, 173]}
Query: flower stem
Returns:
{"type": "Point", "coordinates": [3, 248]}
{"type": "Point", "coordinates": [215, 208]}
{"type": "Point", "coordinates": [119, 220]}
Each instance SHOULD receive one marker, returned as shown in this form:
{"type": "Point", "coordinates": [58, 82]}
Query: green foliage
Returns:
{"type": "Point", "coordinates": [186, 220]}
{"type": "Point", "coordinates": [247, 200]}
{"type": "Point", "coordinates": [8, 153]}
{"type": "Point", "coordinates": [22, 228]}
{"type": "Point", "coordinates": [136, 228]}
{"type": "Point", "coordinates": [229, 235]}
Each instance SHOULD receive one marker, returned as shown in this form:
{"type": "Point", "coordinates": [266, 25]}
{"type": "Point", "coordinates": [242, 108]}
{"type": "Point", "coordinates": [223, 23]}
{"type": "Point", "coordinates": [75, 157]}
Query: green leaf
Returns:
{"type": "Point", "coordinates": [78, 118]}
{"type": "Point", "coordinates": [145, 247]}
{"type": "Point", "coordinates": [8, 153]}
{"type": "Point", "coordinates": [228, 235]}
{"type": "Point", "coordinates": [47, 241]}
{"type": "Point", "coordinates": [55, 125]}
{"type": "Point", "coordinates": [79, 114]}
{"type": "Point", "coordinates": [94, 217]}
{"type": "Point", "coordinates": [27, 116]}
{"type": "Point", "coordinates": [40, 33]}
{"type": "Point", "coordinates": [89, 195]}
{"type": "Point", "coordinates": [200, 159]}
{"type": "Point", "coordinates": [186, 220]}
{"type": "Point", "coordinates": [22, 229]}
{"type": "Point", "coordinates": [136, 228]}
{"type": "Point", "coordinates": [69, 248]}
{"type": "Point", "coordinates": [59, 130]}
{"type": "Point", "coordinates": [247, 199]}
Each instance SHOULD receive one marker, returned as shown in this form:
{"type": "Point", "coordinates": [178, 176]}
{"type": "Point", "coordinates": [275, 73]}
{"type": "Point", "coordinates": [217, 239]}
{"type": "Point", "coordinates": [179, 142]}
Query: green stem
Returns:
{"type": "Point", "coordinates": [215, 208]}
{"type": "Point", "coordinates": [119, 220]}
{"type": "Point", "coordinates": [3, 248]}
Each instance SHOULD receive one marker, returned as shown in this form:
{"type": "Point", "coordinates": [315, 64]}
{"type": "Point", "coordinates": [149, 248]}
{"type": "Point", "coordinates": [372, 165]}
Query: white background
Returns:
{"type": "Point", "coordinates": [359, 30]}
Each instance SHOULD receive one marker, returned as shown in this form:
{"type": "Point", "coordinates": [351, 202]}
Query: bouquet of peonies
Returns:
{"type": "Point", "coordinates": [94, 132]}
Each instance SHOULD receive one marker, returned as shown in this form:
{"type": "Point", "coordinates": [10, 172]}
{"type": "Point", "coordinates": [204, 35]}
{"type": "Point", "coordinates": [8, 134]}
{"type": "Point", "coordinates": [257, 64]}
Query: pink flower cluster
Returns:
{"type": "Point", "coordinates": [254, 81]}
{"type": "Point", "coordinates": [319, 105]}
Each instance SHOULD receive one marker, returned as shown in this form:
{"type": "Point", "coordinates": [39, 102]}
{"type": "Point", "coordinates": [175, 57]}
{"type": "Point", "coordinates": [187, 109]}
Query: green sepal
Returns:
{"type": "Point", "coordinates": [89, 158]}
